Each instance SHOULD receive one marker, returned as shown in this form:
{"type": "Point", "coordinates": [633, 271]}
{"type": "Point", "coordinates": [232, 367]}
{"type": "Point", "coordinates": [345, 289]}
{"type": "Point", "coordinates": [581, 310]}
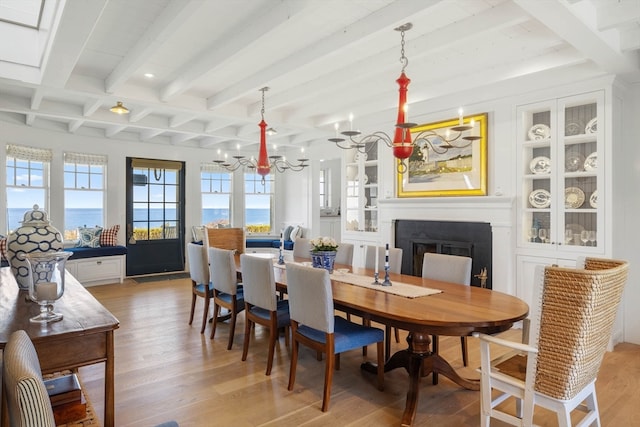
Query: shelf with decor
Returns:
{"type": "Point", "coordinates": [558, 214]}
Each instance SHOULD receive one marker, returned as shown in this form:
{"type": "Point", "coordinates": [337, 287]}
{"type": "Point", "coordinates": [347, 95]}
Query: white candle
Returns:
{"type": "Point", "coordinates": [386, 257]}
{"type": "Point", "coordinates": [460, 118]}
{"type": "Point", "coordinates": [377, 248]}
{"type": "Point", "coordinates": [281, 239]}
{"type": "Point", "coordinates": [47, 291]}
{"type": "Point", "coordinates": [351, 121]}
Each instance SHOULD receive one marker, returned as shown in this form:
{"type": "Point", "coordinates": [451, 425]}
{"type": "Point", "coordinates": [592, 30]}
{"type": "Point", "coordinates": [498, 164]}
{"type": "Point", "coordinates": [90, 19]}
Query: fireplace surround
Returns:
{"type": "Point", "coordinates": [465, 238]}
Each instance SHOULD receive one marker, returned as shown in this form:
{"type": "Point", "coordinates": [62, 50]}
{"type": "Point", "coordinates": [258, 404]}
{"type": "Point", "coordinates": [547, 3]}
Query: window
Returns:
{"type": "Point", "coordinates": [325, 188]}
{"type": "Point", "coordinates": [258, 203]}
{"type": "Point", "coordinates": [27, 181]}
{"type": "Point", "coordinates": [84, 178]}
{"type": "Point", "coordinates": [156, 199]}
{"type": "Point", "coordinates": [215, 188]}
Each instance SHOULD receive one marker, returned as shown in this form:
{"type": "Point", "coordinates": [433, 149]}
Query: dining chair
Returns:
{"type": "Point", "coordinates": [200, 284]}
{"type": "Point", "coordinates": [314, 324]}
{"type": "Point", "coordinates": [261, 303]}
{"type": "Point", "coordinates": [27, 399]}
{"type": "Point", "coordinates": [226, 292]}
{"type": "Point", "coordinates": [344, 254]}
{"type": "Point", "coordinates": [395, 266]}
{"type": "Point", "coordinates": [453, 269]}
{"type": "Point", "coordinates": [570, 330]}
{"type": "Point", "coordinates": [302, 248]}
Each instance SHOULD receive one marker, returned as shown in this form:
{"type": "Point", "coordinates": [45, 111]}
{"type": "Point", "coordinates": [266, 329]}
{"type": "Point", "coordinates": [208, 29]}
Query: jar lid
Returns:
{"type": "Point", "coordinates": [35, 217]}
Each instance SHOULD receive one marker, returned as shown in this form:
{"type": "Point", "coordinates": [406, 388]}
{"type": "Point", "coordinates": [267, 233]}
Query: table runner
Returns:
{"type": "Point", "coordinates": [398, 288]}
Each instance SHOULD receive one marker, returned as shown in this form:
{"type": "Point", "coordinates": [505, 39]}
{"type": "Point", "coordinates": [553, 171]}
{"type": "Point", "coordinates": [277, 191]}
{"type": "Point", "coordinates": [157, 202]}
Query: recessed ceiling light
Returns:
{"type": "Point", "coordinates": [149, 75]}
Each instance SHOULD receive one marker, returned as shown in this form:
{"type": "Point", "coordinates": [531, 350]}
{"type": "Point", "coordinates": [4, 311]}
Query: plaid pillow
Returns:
{"type": "Point", "coordinates": [109, 236]}
{"type": "Point", "coordinates": [89, 237]}
{"type": "Point", "coordinates": [3, 247]}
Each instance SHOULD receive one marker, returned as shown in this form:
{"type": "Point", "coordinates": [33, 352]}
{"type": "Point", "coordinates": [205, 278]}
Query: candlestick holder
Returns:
{"type": "Point", "coordinates": [375, 279]}
{"type": "Point", "coordinates": [280, 257]}
{"type": "Point", "coordinates": [386, 282]}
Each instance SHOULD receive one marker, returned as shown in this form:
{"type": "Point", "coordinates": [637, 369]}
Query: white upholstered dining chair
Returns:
{"type": "Point", "coordinates": [314, 324]}
{"type": "Point", "coordinates": [261, 303]}
{"type": "Point", "coordinates": [200, 284]}
{"type": "Point", "coordinates": [302, 248]}
{"type": "Point", "coordinates": [226, 293]}
{"type": "Point", "coordinates": [569, 332]}
{"type": "Point", "coordinates": [344, 254]}
{"type": "Point", "coordinates": [453, 269]}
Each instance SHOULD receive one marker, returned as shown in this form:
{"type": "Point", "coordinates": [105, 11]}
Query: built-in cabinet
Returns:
{"type": "Point", "coordinates": [360, 199]}
{"type": "Point", "coordinates": [560, 172]}
{"type": "Point", "coordinates": [98, 270]}
{"type": "Point", "coordinates": [330, 226]}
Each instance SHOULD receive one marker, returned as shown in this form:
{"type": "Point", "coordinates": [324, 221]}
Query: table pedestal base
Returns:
{"type": "Point", "coordinates": [418, 360]}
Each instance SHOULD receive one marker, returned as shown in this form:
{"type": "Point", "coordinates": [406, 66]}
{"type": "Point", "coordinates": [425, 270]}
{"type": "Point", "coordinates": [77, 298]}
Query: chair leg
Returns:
{"type": "Point", "coordinates": [397, 333]}
{"type": "Point", "coordinates": [247, 333]}
{"type": "Point", "coordinates": [465, 354]}
{"type": "Point", "coordinates": [273, 336]}
{"type": "Point", "coordinates": [204, 315]}
{"type": "Point", "coordinates": [365, 322]}
{"type": "Point", "coordinates": [434, 347]}
{"type": "Point", "coordinates": [216, 312]}
{"type": "Point", "coordinates": [387, 342]}
{"type": "Point", "coordinates": [328, 379]}
{"type": "Point", "coordinates": [318, 356]}
{"type": "Point", "coordinates": [294, 360]}
{"type": "Point", "coordinates": [193, 307]}
{"type": "Point", "coordinates": [380, 346]}
{"type": "Point", "coordinates": [232, 325]}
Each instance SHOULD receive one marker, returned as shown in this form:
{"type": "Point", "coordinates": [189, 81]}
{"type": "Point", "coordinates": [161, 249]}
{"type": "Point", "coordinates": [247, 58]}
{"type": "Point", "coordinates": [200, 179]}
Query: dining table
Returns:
{"type": "Point", "coordinates": [423, 307]}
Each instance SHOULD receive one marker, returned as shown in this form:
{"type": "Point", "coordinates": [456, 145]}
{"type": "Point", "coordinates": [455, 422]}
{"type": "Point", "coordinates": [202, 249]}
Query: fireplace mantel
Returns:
{"type": "Point", "coordinates": [495, 210]}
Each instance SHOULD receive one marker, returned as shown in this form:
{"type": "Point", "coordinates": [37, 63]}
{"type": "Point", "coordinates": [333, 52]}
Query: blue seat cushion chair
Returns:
{"type": "Point", "coordinates": [282, 313]}
{"type": "Point", "coordinates": [239, 298]}
{"type": "Point", "coordinates": [347, 335]}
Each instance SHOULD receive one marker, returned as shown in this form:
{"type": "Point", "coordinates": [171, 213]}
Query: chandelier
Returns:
{"type": "Point", "coordinates": [265, 163]}
{"type": "Point", "coordinates": [119, 108]}
{"type": "Point", "coordinates": [402, 143]}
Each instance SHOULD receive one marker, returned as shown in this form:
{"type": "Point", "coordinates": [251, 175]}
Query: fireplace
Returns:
{"type": "Point", "coordinates": [472, 239]}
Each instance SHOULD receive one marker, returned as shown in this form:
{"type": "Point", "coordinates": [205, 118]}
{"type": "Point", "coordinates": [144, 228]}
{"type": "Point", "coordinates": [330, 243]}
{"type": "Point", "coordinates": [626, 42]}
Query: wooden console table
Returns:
{"type": "Point", "coordinates": [83, 337]}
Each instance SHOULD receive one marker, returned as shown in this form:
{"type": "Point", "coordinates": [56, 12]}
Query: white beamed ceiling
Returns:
{"type": "Point", "coordinates": [322, 59]}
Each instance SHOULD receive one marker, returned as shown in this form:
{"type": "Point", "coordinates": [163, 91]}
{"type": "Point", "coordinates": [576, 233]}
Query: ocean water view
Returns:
{"type": "Point", "coordinates": [91, 217]}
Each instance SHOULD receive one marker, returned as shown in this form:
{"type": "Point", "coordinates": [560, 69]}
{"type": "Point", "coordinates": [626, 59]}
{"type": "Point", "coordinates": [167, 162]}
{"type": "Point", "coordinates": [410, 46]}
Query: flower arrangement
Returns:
{"type": "Point", "coordinates": [324, 244]}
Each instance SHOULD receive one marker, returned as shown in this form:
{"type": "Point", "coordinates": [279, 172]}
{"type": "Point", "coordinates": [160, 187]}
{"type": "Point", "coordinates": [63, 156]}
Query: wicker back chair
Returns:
{"type": "Point", "coordinates": [570, 331]}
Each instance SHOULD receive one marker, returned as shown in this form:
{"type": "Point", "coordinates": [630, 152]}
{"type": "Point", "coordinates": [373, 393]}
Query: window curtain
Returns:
{"type": "Point", "coordinates": [29, 153]}
{"type": "Point", "coordinates": [85, 159]}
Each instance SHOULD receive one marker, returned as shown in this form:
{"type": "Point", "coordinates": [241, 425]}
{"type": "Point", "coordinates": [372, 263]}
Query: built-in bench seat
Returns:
{"type": "Point", "coordinates": [268, 242]}
{"type": "Point", "coordinates": [97, 266]}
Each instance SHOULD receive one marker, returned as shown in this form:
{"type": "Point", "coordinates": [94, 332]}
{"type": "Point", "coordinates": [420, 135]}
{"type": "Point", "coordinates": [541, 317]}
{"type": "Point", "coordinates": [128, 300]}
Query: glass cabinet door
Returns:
{"type": "Point", "coordinates": [559, 145]}
{"type": "Point", "coordinates": [361, 192]}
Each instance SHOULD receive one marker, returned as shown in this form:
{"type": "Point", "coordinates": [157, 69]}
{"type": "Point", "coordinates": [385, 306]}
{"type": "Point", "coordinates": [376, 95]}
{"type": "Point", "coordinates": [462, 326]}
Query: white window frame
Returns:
{"type": "Point", "coordinates": [256, 180]}
{"type": "Point", "coordinates": [21, 161]}
{"type": "Point", "coordinates": [211, 185]}
{"type": "Point", "coordinates": [96, 184]}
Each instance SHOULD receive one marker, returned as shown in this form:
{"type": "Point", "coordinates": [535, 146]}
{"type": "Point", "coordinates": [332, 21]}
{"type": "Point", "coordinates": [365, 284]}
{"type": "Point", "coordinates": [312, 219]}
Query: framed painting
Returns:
{"type": "Point", "coordinates": [449, 159]}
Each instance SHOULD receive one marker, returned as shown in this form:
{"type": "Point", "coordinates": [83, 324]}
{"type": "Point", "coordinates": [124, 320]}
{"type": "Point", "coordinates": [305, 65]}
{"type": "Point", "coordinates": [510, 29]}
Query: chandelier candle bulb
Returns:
{"type": "Point", "coordinates": [460, 117]}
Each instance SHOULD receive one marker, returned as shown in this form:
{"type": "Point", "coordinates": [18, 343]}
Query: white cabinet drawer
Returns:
{"type": "Point", "coordinates": [109, 269]}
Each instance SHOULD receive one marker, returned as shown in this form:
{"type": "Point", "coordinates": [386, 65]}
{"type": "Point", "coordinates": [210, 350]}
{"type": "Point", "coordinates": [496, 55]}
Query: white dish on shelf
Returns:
{"type": "Point", "coordinates": [573, 161]}
{"type": "Point", "coordinates": [540, 198]}
{"type": "Point", "coordinates": [593, 200]}
{"type": "Point", "coordinates": [572, 129]}
{"type": "Point", "coordinates": [540, 165]}
{"type": "Point", "coordinates": [539, 131]}
{"type": "Point", "coordinates": [591, 162]}
{"type": "Point", "coordinates": [359, 156]}
{"type": "Point", "coordinates": [573, 197]}
{"type": "Point", "coordinates": [592, 126]}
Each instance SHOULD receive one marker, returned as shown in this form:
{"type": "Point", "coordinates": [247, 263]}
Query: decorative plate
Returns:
{"type": "Point", "coordinates": [574, 161]}
{"type": "Point", "coordinates": [359, 156]}
{"type": "Point", "coordinates": [592, 126]}
{"type": "Point", "coordinates": [591, 163]}
{"type": "Point", "coordinates": [572, 129]}
{"type": "Point", "coordinates": [540, 198]}
{"type": "Point", "coordinates": [593, 200]}
{"type": "Point", "coordinates": [539, 131]}
{"type": "Point", "coordinates": [540, 165]}
{"type": "Point", "coordinates": [573, 198]}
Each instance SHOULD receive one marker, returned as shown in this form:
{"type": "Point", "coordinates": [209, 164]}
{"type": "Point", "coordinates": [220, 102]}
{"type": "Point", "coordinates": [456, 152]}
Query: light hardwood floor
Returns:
{"type": "Point", "coordinates": [165, 369]}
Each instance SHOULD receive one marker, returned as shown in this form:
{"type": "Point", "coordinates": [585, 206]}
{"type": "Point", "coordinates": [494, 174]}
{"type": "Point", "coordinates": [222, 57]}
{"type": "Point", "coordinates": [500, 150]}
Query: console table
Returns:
{"type": "Point", "coordinates": [83, 337]}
